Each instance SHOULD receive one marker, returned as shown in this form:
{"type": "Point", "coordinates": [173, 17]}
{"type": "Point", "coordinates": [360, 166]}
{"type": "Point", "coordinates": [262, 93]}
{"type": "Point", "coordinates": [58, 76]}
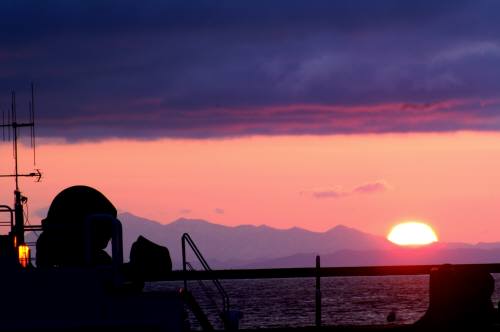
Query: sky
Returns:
{"type": "Point", "coordinates": [286, 113]}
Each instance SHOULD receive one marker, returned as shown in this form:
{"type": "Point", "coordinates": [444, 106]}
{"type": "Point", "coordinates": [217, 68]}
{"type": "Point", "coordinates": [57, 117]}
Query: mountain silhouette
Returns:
{"type": "Point", "coordinates": [246, 245]}
{"type": "Point", "coordinates": [394, 256]}
{"type": "Point", "coordinates": [249, 246]}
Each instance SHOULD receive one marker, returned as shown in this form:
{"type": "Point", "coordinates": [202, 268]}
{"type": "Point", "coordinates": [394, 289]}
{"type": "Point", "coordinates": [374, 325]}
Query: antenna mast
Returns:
{"type": "Point", "coordinates": [12, 125]}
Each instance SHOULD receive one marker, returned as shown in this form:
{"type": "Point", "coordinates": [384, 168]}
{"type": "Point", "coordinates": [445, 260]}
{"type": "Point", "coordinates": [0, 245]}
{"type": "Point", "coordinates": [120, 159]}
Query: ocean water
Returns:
{"type": "Point", "coordinates": [291, 302]}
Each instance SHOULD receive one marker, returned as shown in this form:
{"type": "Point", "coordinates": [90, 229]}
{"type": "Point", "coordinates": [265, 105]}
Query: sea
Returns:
{"type": "Point", "coordinates": [267, 303]}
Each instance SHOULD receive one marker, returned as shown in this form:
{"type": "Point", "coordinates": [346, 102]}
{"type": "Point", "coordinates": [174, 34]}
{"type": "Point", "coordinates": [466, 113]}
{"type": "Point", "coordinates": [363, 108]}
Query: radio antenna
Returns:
{"type": "Point", "coordinates": [15, 126]}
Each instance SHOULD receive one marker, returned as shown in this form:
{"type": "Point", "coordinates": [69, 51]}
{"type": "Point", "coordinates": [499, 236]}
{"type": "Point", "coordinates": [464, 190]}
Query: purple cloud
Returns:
{"type": "Point", "coordinates": [219, 211]}
{"type": "Point", "coordinates": [371, 188]}
{"type": "Point", "coordinates": [338, 192]}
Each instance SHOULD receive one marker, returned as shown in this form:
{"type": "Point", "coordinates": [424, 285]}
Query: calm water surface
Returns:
{"type": "Point", "coordinates": [291, 302]}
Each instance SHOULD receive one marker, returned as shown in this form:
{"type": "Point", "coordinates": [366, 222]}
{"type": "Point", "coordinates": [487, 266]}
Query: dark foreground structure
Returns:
{"type": "Point", "coordinates": [78, 286]}
{"type": "Point", "coordinates": [459, 295]}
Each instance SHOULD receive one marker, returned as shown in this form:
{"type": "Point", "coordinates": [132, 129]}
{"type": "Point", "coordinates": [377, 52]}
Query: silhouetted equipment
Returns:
{"type": "Point", "coordinates": [67, 229]}
{"type": "Point", "coordinates": [80, 223]}
{"type": "Point", "coordinates": [149, 261]}
{"type": "Point", "coordinates": [11, 131]}
{"type": "Point", "coordinates": [459, 297]}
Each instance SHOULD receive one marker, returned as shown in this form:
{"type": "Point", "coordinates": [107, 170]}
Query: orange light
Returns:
{"type": "Point", "coordinates": [24, 255]}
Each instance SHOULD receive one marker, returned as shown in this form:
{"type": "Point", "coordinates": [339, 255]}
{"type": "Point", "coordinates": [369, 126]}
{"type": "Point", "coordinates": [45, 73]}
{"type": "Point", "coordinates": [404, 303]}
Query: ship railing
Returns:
{"type": "Point", "coordinates": [320, 272]}
{"type": "Point", "coordinates": [208, 293]}
{"type": "Point", "coordinates": [187, 266]}
{"type": "Point", "coordinates": [7, 223]}
{"type": "Point", "coordinates": [116, 237]}
{"type": "Point", "coordinates": [311, 272]}
{"type": "Point", "coordinates": [34, 229]}
{"type": "Point", "coordinates": [10, 222]}
{"type": "Point", "coordinates": [203, 287]}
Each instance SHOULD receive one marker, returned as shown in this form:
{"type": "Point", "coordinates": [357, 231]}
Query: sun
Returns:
{"type": "Point", "coordinates": [412, 233]}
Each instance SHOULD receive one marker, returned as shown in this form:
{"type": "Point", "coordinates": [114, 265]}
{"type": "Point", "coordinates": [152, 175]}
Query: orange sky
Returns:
{"type": "Point", "coordinates": [451, 181]}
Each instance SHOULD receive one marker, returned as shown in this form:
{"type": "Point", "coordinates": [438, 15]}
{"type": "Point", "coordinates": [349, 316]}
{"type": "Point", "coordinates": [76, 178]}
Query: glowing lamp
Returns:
{"type": "Point", "coordinates": [24, 255]}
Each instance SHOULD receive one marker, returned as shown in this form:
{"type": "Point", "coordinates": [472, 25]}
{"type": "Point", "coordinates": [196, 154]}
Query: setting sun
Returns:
{"type": "Point", "coordinates": [412, 233]}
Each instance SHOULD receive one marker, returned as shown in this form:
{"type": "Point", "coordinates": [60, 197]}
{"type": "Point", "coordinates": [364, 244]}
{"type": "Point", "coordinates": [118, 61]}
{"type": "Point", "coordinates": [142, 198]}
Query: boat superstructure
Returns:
{"type": "Point", "coordinates": [15, 220]}
{"type": "Point", "coordinates": [81, 292]}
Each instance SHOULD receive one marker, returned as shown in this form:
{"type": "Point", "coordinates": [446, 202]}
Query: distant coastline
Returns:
{"type": "Point", "coordinates": [265, 247]}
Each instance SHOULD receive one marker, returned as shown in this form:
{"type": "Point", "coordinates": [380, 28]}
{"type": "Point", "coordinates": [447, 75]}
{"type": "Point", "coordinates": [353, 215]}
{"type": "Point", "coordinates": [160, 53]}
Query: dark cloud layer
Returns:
{"type": "Point", "coordinates": [228, 68]}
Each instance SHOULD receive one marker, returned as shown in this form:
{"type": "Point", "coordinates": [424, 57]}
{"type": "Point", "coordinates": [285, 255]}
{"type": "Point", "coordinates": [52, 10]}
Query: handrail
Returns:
{"type": "Point", "coordinates": [306, 272]}
{"type": "Point", "coordinates": [6, 208]}
{"type": "Point", "coordinates": [33, 228]}
{"type": "Point", "coordinates": [318, 272]}
{"type": "Point", "coordinates": [202, 286]}
{"type": "Point", "coordinates": [187, 239]}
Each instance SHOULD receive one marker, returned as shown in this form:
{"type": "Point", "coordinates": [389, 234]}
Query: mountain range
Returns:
{"type": "Point", "coordinates": [249, 246]}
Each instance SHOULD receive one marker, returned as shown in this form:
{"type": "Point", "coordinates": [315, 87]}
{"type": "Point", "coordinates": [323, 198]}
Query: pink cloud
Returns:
{"type": "Point", "coordinates": [219, 211]}
{"type": "Point", "coordinates": [374, 187]}
{"type": "Point", "coordinates": [336, 192]}
{"type": "Point", "coordinates": [371, 188]}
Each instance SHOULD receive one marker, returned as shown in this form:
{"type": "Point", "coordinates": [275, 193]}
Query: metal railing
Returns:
{"type": "Point", "coordinates": [9, 223]}
{"type": "Point", "coordinates": [186, 239]}
{"type": "Point", "coordinates": [205, 290]}
{"type": "Point", "coordinates": [311, 272]}
{"type": "Point", "coordinates": [318, 272]}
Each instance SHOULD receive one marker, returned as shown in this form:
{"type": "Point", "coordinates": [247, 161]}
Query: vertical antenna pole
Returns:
{"type": "Point", "coordinates": [18, 204]}
{"type": "Point", "coordinates": [13, 106]}
{"type": "Point", "coordinates": [33, 138]}
{"type": "Point", "coordinates": [18, 217]}
{"type": "Point", "coordinates": [31, 128]}
{"type": "Point", "coordinates": [12, 121]}
{"type": "Point", "coordinates": [17, 230]}
{"type": "Point", "coordinates": [14, 141]}
{"type": "Point", "coordinates": [10, 124]}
